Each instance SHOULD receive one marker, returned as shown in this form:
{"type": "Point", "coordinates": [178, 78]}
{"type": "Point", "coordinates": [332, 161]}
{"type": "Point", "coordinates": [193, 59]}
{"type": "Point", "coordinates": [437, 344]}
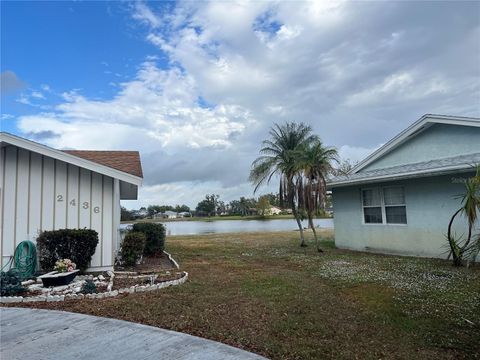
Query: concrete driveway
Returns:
{"type": "Point", "coordinates": [49, 334]}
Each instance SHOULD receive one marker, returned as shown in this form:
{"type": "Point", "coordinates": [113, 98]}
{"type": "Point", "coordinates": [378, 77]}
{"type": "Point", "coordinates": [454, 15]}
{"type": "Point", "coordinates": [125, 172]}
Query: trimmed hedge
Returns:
{"type": "Point", "coordinates": [77, 245]}
{"type": "Point", "coordinates": [155, 234]}
{"type": "Point", "coordinates": [133, 246]}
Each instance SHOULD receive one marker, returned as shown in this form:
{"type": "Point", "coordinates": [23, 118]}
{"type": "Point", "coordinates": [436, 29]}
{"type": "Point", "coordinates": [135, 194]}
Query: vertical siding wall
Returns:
{"type": "Point", "coordinates": [41, 193]}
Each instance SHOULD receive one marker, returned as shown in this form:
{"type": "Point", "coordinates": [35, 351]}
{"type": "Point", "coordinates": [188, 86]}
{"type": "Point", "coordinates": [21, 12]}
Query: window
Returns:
{"type": "Point", "coordinates": [384, 205]}
{"type": "Point", "coordinates": [372, 206]}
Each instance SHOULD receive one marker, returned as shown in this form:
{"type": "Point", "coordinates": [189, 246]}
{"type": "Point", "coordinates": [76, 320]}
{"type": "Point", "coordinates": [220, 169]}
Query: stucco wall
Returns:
{"type": "Point", "coordinates": [41, 193]}
{"type": "Point", "coordinates": [430, 144]}
{"type": "Point", "coordinates": [430, 203]}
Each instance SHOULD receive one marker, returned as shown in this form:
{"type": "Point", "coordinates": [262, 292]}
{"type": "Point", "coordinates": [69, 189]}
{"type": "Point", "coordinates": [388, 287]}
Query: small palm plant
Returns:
{"type": "Point", "coordinates": [470, 200]}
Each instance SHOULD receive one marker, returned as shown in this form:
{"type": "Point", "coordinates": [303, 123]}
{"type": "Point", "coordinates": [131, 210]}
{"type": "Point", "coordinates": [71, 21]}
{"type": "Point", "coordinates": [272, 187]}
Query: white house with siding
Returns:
{"type": "Point", "coordinates": [47, 189]}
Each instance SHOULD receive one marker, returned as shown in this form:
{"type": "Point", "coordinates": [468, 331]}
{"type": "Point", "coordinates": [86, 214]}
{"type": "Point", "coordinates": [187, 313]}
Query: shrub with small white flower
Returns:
{"type": "Point", "coordinates": [65, 265]}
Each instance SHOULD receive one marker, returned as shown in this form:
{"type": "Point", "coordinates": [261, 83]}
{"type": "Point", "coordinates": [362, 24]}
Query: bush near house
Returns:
{"type": "Point", "coordinates": [77, 245]}
{"type": "Point", "coordinates": [10, 284]}
{"type": "Point", "coordinates": [89, 287]}
{"type": "Point", "coordinates": [133, 246]}
{"type": "Point", "coordinates": [155, 236]}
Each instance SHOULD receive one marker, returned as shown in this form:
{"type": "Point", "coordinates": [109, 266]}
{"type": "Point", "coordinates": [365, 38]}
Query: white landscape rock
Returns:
{"type": "Point", "coordinates": [60, 288]}
{"type": "Point", "coordinates": [11, 299]}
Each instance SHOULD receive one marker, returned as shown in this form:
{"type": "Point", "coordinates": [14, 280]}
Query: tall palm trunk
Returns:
{"type": "Point", "coordinates": [300, 227]}
{"type": "Point", "coordinates": [312, 226]}
{"type": "Point", "coordinates": [296, 215]}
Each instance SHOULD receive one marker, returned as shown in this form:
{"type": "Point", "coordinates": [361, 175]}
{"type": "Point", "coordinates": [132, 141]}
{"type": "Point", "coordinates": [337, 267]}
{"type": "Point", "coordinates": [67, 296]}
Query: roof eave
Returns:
{"type": "Point", "coordinates": [402, 176]}
{"type": "Point", "coordinates": [72, 159]}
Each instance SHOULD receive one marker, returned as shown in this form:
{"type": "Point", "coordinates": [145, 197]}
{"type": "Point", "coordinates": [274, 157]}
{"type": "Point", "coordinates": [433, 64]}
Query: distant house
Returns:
{"type": "Point", "coordinates": [184, 214]}
{"type": "Point", "coordinates": [401, 197]}
{"type": "Point", "coordinates": [140, 214]}
{"type": "Point", "coordinates": [273, 210]}
{"type": "Point", "coordinates": [170, 214]}
{"type": "Point", "coordinates": [47, 189]}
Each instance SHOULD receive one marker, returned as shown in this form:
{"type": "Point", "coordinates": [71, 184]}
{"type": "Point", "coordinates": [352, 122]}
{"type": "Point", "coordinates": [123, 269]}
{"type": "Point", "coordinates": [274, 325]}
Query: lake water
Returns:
{"type": "Point", "coordinates": [228, 226]}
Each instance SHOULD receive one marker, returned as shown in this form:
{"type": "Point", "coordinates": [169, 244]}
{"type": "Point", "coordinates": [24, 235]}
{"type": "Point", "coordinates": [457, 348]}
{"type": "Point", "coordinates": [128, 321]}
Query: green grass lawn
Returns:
{"type": "Point", "coordinates": [263, 293]}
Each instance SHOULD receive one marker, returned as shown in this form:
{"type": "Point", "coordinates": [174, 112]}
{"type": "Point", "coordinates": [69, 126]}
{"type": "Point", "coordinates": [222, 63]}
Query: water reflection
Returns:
{"type": "Point", "coordinates": [228, 226]}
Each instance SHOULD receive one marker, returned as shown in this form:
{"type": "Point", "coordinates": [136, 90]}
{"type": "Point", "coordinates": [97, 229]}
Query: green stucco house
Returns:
{"type": "Point", "coordinates": [400, 199]}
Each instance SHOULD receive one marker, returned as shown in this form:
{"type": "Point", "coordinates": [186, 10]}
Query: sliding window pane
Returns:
{"type": "Point", "coordinates": [396, 214]}
{"type": "Point", "coordinates": [373, 215]}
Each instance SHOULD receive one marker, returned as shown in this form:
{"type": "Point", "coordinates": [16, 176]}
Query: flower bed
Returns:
{"type": "Point", "coordinates": [107, 285]}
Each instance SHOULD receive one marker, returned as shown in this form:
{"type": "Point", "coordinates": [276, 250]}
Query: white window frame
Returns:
{"type": "Point", "coordinates": [383, 206]}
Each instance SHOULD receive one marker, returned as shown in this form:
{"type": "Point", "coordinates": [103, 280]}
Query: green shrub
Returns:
{"type": "Point", "coordinates": [155, 234]}
{"type": "Point", "coordinates": [133, 246]}
{"type": "Point", "coordinates": [89, 287]}
{"type": "Point", "coordinates": [10, 284]}
{"type": "Point", "coordinates": [77, 245]}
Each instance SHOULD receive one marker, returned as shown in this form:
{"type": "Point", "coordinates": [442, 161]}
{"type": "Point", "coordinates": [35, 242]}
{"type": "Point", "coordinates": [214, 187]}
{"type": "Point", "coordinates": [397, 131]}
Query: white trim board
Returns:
{"type": "Point", "coordinates": [68, 158]}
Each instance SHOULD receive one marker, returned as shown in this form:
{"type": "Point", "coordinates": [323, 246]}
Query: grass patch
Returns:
{"type": "Point", "coordinates": [263, 293]}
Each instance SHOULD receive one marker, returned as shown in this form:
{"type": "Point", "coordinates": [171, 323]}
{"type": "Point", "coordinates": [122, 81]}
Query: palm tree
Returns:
{"type": "Point", "coordinates": [281, 155]}
{"type": "Point", "coordinates": [470, 208]}
{"type": "Point", "coordinates": [243, 205]}
{"type": "Point", "coordinates": [317, 164]}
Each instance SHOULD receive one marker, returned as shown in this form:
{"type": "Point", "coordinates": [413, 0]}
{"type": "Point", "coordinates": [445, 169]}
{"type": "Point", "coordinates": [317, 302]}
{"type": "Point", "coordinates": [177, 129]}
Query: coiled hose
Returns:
{"type": "Point", "coordinates": [24, 260]}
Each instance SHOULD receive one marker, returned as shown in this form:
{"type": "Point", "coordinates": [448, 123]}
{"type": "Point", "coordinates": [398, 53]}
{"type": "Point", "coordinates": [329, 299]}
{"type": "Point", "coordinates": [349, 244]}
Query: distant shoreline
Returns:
{"type": "Point", "coordinates": [221, 218]}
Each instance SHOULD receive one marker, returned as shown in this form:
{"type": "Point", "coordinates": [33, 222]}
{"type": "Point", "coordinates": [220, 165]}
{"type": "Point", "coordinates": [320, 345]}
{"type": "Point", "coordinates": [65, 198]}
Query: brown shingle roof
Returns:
{"type": "Point", "coordinates": [126, 161]}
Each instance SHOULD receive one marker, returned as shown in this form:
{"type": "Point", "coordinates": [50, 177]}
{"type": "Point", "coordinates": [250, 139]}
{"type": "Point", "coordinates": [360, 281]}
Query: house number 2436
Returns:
{"type": "Point", "coordinates": [85, 204]}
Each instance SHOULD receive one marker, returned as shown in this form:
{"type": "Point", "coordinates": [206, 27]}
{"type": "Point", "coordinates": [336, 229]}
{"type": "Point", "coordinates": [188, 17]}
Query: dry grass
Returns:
{"type": "Point", "coordinates": [262, 292]}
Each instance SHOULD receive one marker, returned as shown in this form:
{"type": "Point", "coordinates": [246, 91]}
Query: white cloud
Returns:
{"type": "Point", "coordinates": [355, 154]}
{"type": "Point", "coordinates": [6, 116]}
{"type": "Point", "coordinates": [144, 14]}
{"type": "Point", "coordinates": [161, 105]}
{"type": "Point", "coordinates": [37, 95]}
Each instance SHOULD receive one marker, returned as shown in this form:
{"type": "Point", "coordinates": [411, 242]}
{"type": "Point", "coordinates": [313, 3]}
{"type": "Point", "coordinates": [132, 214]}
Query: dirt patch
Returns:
{"type": "Point", "coordinates": [121, 282]}
{"type": "Point", "coordinates": [156, 263]}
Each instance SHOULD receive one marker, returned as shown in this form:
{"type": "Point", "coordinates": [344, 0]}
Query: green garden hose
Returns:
{"type": "Point", "coordinates": [24, 260]}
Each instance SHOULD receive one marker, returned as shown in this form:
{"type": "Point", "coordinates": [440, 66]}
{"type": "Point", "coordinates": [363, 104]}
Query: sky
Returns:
{"type": "Point", "coordinates": [195, 86]}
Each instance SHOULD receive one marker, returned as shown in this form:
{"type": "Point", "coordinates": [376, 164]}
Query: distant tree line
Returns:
{"type": "Point", "coordinates": [212, 205]}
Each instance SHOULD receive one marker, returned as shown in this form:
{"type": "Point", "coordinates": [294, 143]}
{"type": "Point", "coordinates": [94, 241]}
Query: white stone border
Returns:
{"type": "Point", "coordinates": [172, 260]}
{"type": "Point", "coordinates": [108, 294]}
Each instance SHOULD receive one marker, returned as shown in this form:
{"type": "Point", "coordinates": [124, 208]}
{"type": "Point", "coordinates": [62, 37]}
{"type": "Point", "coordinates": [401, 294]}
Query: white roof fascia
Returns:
{"type": "Point", "coordinates": [425, 121]}
{"type": "Point", "coordinates": [68, 158]}
{"type": "Point", "coordinates": [433, 172]}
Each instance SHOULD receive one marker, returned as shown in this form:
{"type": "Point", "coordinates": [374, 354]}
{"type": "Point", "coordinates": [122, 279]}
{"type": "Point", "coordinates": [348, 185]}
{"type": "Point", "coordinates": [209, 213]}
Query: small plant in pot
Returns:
{"type": "Point", "coordinates": [65, 272]}
{"type": "Point", "coordinates": [65, 265]}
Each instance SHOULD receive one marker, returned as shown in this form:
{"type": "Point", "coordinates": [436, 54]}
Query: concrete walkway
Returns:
{"type": "Point", "coordinates": [48, 334]}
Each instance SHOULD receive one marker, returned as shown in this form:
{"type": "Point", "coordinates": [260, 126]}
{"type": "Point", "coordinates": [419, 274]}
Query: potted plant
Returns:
{"type": "Point", "coordinates": [65, 272]}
